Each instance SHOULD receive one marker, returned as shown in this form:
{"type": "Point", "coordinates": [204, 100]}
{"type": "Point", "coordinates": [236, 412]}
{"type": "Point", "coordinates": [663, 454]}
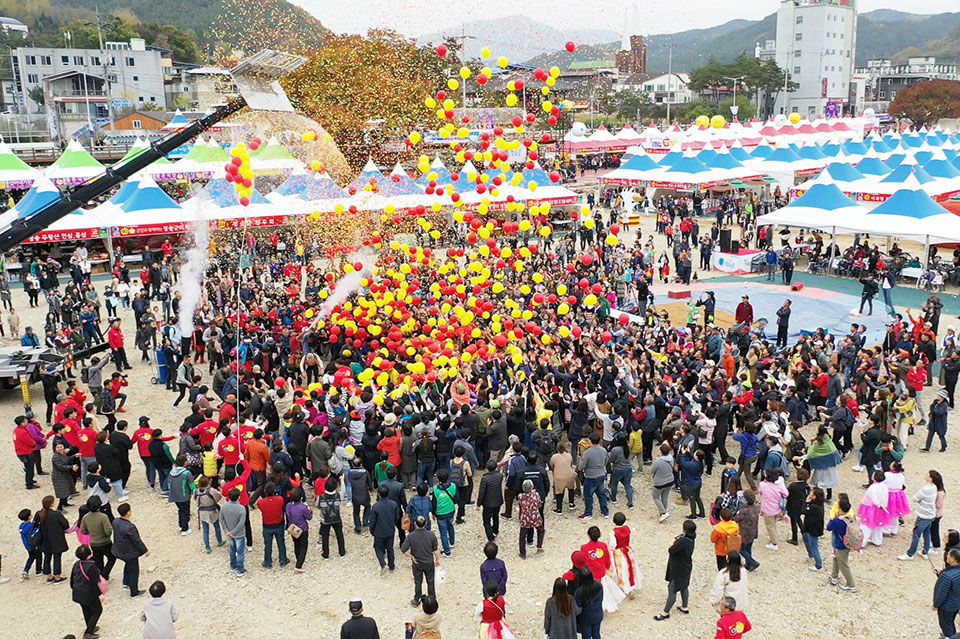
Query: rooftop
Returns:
{"type": "Point", "coordinates": [592, 64]}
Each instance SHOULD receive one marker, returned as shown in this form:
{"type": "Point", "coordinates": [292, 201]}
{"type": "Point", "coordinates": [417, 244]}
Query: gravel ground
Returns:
{"type": "Point", "coordinates": [787, 600]}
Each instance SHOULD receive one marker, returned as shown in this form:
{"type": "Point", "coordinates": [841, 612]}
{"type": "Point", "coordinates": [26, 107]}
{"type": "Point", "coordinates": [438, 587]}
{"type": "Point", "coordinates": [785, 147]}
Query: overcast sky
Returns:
{"type": "Point", "coordinates": [415, 17]}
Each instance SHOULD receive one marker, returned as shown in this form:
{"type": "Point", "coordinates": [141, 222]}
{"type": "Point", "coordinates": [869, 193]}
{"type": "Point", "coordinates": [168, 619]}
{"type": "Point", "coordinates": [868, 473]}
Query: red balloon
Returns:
{"type": "Point", "coordinates": [571, 300]}
{"type": "Point", "coordinates": [236, 161]}
{"type": "Point", "coordinates": [586, 259]}
{"type": "Point", "coordinates": [441, 50]}
{"type": "Point", "coordinates": [615, 229]}
{"type": "Point", "coordinates": [552, 121]}
{"type": "Point", "coordinates": [358, 266]}
{"type": "Point", "coordinates": [577, 331]}
{"type": "Point", "coordinates": [482, 79]}
{"type": "Point", "coordinates": [624, 319]}
{"type": "Point", "coordinates": [280, 382]}
{"type": "Point", "coordinates": [517, 121]}
{"type": "Point", "coordinates": [247, 182]}
{"type": "Point", "coordinates": [597, 289]}
{"type": "Point", "coordinates": [606, 336]}
{"type": "Point", "coordinates": [554, 176]}
{"type": "Point", "coordinates": [571, 47]}
{"type": "Point", "coordinates": [584, 283]}
{"type": "Point", "coordinates": [244, 201]}
{"type": "Point", "coordinates": [538, 298]}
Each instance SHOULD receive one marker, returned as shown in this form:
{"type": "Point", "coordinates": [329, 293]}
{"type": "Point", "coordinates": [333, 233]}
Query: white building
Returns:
{"type": "Point", "coordinates": [816, 45]}
{"type": "Point", "coordinates": [13, 25]}
{"type": "Point", "coordinates": [660, 87]}
{"type": "Point", "coordinates": [131, 74]}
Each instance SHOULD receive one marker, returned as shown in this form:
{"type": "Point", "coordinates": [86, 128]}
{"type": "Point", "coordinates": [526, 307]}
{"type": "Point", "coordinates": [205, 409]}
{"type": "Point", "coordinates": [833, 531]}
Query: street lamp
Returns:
{"type": "Point", "coordinates": [734, 108]}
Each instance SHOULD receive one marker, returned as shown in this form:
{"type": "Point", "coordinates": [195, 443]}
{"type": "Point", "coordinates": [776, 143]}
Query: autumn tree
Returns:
{"type": "Point", "coordinates": [367, 90]}
{"type": "Point", "coordinates": [927, 102]}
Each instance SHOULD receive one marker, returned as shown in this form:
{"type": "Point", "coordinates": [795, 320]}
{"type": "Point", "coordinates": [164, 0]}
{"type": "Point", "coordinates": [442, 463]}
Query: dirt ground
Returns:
{"type": "Point", "coordinates": [786, 600]}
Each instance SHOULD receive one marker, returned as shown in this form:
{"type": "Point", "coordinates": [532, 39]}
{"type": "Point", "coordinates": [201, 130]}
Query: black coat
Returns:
{"type": "Point", "coordinates": [54, 529]}
{"type": "Point", "coordinates": [85, 583]}
{"type": "Point", "coordinates": [490, 494]}
{"type": "Point", "coordinates": [127, 544]}
{"type": "Point", "coordinates": [813, 518]}
{"type": "Point", "coordinates": [680, 562]}
{"type": "Point", "coordinates": [111, 465]}
{"type": "Point", "coordinates": [870, 439]}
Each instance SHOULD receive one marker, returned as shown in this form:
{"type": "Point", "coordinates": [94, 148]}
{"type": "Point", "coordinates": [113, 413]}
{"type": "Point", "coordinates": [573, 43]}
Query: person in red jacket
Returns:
{"type": "Point", "coordinates": [732, 624]}
{"type": "Point", "coordinates": [229, 448]}
{"type": "Point", "coordinates": [87, 440]}
{"type": "Point", "coordinates": [23, 444]}
{"type": "Point", "coordinates": [233, 480]}
{"type": "Point", "coordinates": [141, 437]}
{"type": "Point", "coordinates": [228, 410]}
{"type": "Point", "coordinates": [391, 444]}
{"type": "Point", "coordinates": [598, 554]}
{"type": "Point", "coordinates": [258, 453]}
{"type": "Point", "coordinates": [115, 340]}
{"type": "Point", "coordinates": [207, 429]}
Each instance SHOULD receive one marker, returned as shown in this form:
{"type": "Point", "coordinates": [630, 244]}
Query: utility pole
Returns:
{"type": "Point", "coordinates": [106, 73]}
{"type": "Point", "coordinates": [786, 81]}
{"type": "Point", "coordinates": [670, 48]}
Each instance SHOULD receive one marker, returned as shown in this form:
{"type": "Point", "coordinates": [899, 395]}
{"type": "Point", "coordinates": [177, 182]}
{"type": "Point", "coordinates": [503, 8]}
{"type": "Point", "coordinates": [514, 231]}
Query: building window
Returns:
{"type": "Point", "coordinates": [153, 99]}
{"type": "Point", "coordinates": [841, 35]}
{"type": "Point", "coordinates": [796, 53]}
{"type": "Point", "coordinates": [46, 60]}
{"type": "Point", "coordinates": [661, 87]}
{"type": "Point", "coordinates": [648, 87]}
{"type": "Point", "coordinates": [78, 60]}
{"type": "Point", "coordinates": [33, 78]}
{"type": "Point", "coordinates": [136, 78]}
{"type": "Point", "coordinates": [64, 59]}
{"type": "Point", "coordinates": [131, 62]}
{"type": "Point", "coordinates": [140, 98]}
{"type": "Point", "coordinates": [95, 61]}
{"type": "Point", "coordinates": [113, 61]}
{"type": "Point", "coordinates": [31, 60]}
{"type": "Point", "coordinates": [186, 89]}
{"type": "Point", "coordinates": [137, 124]}
{"type": "Point", "coordinates": [796, 70]}
{"type": "Point", "coordinates": [799, 37]}
{"type": "Point", "coordinates": [799, 19]}
{"type": "Point", "coordinates": [883, 94]}
{"type": "Point", "coordinates": [811, 110]}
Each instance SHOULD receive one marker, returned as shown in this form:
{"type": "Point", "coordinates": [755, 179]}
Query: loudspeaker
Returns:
{"type": "Point", "coordinates": [725, 241]}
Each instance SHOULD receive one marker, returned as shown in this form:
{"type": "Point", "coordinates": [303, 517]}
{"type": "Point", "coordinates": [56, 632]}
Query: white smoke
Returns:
{"type": "Point", "coordinates": [194, 268]}
{"type": "Point", "coordinates": [349, 283]}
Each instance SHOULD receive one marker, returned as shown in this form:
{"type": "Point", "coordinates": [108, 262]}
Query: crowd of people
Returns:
{"type": "Point", "coordinates": [412, 388]}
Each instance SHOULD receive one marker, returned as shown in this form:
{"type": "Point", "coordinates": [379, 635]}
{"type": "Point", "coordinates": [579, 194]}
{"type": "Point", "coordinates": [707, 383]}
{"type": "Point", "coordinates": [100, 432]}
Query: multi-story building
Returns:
{"type": "Point", "coordinates": [632, 57]}
{"type": "Point", "coordinates": [79, 85]}
{"type": "Point", "coordinates": [199, 88]}
{"type": "Point", "coordinates": [816, 45]}
{"type": "Point", "coordinates": [882, 79]}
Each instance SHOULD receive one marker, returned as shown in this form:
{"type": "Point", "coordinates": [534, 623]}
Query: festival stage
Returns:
{"type": "Point", "coordinates": [811, 307]}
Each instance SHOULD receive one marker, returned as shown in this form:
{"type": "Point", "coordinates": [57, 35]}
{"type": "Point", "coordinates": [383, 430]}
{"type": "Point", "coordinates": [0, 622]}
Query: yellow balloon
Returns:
{"type": "Point", "coordinates": [554, 72]}
{"type": "Point", "coordinates": [702, 120]}
{"type": "Point", "coordinates": [431, 103]}
{"type": "Point", "coordinates": [414, 137]}
{"type": "Point", "coordinates": [453, 84]}
{"type": "Point", "coordinates": [511, 100]}
{"type": "Point", "coordinates": [562, 289]}
{"type": "Point", "coordinates": [564, 331]}
{"type": "Point", "coordinates": [794, 117]}
{"type": "Point", "coordinates": [718, 121]}
{"type": "Point", "coordinates": [484, 52]}
{"type": "Point", "coordinates": [464, 72]}
{"type": "Point", "coordinates": [589, 223]}
{"type": "Point", "coordinates": [590, 300]}
{"type": "Point", "coordinates": [524, 225]}
{"type": "Point", "coordinates": [563, 309]}
{"type": "Point", "coordinates": [612, 240]}
{"type": "Point", "coordinates": [502, 62]}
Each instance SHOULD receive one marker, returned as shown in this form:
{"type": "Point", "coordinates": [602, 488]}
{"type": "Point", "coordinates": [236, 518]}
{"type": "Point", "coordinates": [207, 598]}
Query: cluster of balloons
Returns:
{"type": "Point", "coordinates": [239, 171]}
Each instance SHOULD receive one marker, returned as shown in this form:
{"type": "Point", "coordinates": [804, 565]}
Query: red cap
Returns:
{"type": "Point", "coordinates": [579, 559]}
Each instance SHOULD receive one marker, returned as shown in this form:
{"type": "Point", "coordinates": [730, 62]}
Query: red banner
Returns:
{"type": "Point", "coordinates": [66, 236]}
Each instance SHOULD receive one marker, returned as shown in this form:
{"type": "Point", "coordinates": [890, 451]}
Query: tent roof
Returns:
{"type": "Point", "coordinates": [41, 194]}
{"type": "Point", "coordinates": [148, 197]}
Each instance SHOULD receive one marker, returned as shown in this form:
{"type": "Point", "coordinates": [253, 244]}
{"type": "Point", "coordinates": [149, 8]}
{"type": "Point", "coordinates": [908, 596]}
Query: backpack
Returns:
{"type": "Point", "coordinates": [848, 418]}
{"type": "Point", "coordinates": [784, 464]}
{"type": "Point", "coordinates": [85, 375]}
{"type": "Point", "coordinates": [35, 536]}
{"type": "Point", "coordinates": [853, 537]}
{"type": "Point", "coordinates": [733, 542]}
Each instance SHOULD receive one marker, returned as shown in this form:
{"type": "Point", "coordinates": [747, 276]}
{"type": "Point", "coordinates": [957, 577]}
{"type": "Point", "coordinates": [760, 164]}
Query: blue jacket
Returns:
{"type": "Point", "coordinates": [748, 444]}
{"type": "Point", "coordinates": [838, 527]}
{"type": "Point", "coordinates": [29, 340]}
{"type": "Point", "coordinates": [692, 470]}
{"type": "Point", "coordinates": [946, 594]}
{"type": "Point", "coordinates": [384, 517]}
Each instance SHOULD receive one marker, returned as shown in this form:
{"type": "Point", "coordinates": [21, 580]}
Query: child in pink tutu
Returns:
{"type": "Point", "coordinates": [898, 503]}
{"type": "Point", "coordinates": [874, 511]}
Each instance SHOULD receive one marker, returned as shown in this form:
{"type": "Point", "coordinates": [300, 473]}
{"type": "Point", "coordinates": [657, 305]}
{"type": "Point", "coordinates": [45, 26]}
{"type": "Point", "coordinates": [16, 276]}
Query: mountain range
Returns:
{"type": "Point", "coordinates": [884, 33]}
